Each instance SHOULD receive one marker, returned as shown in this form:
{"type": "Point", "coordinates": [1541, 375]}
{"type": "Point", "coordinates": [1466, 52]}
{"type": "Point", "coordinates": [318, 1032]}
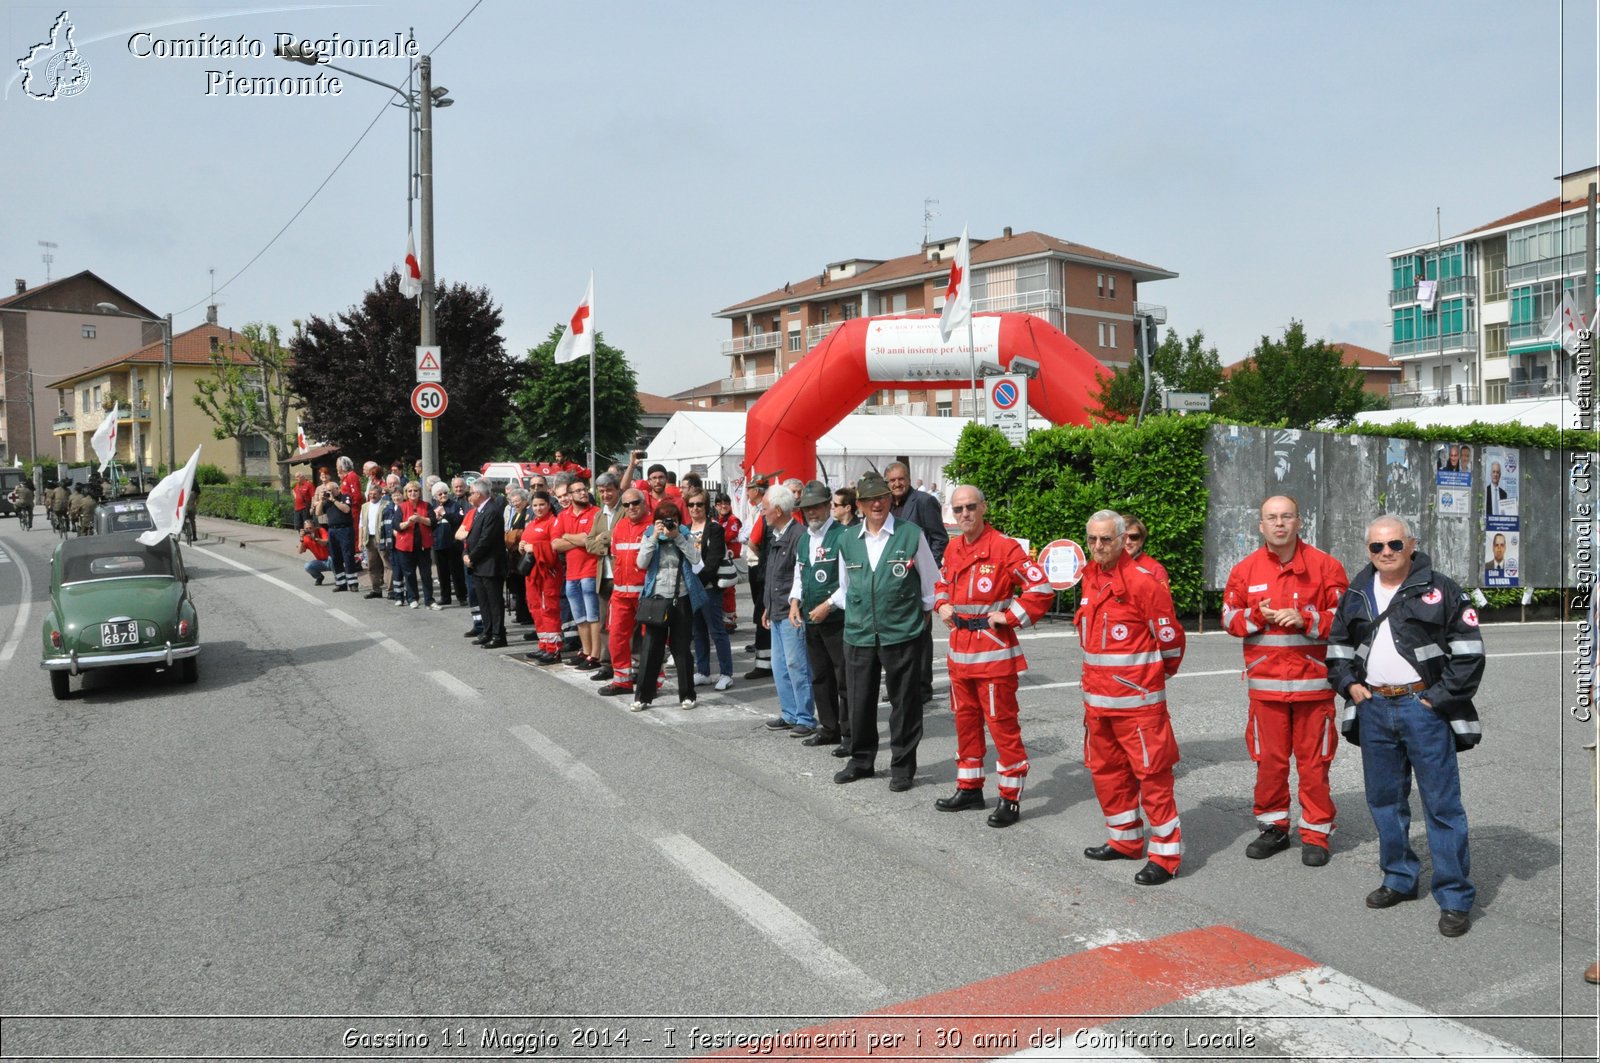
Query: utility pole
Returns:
{"type": "Point", "coordinates": [430, 439]}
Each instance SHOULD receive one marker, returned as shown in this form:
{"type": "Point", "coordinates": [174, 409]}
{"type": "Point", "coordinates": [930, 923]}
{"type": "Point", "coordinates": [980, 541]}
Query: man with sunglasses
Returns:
{"type": "Point", "coordinates": [988, 588]}
{"type": "Point", "coordinates": [1131, 642]}
{"type": "Point", "coordinates": [1407, 656]}
{"type": "Point", "coordinates": [626, 586]}
{"type": "Point", "coordinates": [1280, 600]}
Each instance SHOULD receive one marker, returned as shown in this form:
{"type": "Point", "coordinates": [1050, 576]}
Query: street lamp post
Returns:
{"type": "Point", "coordinates": [166, 382]}
{"type": "Point", "coordinates": [420, 104]}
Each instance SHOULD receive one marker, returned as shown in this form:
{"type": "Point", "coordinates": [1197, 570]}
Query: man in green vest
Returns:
{"type": "Point", "coordinates": [816, 578]}
{"type": "Point", "coordinates": [886, 584]}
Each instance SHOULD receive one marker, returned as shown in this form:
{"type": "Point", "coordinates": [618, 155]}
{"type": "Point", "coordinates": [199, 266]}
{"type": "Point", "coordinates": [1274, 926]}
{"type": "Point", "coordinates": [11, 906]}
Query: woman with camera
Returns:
{"type": "Point", "coordinates": [672, 595]}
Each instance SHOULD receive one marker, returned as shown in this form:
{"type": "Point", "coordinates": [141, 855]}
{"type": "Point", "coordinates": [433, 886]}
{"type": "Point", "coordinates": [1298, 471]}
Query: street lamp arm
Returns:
{"type": "Point", "coordinates": [409, 102]}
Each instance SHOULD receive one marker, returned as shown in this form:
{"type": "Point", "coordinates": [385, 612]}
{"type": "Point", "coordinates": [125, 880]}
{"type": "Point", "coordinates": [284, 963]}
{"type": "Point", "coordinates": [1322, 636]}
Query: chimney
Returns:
{"type": "Point", "coordinates": [22, 285]}
{"type": "Point", "coordinates": [1007, 232]}
{"type": "Point", "coordinates": [211, 313]}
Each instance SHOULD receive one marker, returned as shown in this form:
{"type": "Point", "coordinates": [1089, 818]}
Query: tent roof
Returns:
{"type": "Point", "coordinates": [1557, 412]}
{"type": "Point", "coordinates": [703, 435]}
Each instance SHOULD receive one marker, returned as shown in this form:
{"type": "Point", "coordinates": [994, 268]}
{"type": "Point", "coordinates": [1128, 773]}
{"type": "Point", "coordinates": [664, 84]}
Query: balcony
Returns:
{"type": "Point", "coordinates": [738, 385]}
{"type": "Point", "coordinates": [1526, 333]}
{"type": "Point", "coordinates": [1448, 288]}
{"type": "Point", "coordinates": [761, 341]}
{"type": "Point", "coordinates": [1544, 269]}
{"type": "Point", "coordinates": [63, 424]}
{"type": "Point", "coordinates": [898, 409]}
{"type": "Point", "coordinates": [1542, 388]}
{"type": "Point", "coordinates": [1405, 395]}
{"type": "Point", "coordinates": [1454, 343]}
{"type": "Point", "coordinates": [139, 411]}
{"type": "Point", "coordinates": [816, 333]}
{"type": "Point", "coordinates": [1019, 302]}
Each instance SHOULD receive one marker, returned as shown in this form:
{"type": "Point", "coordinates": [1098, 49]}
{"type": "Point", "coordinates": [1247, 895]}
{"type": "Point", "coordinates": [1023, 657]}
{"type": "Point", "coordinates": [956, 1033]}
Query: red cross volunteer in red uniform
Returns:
{"type": "Point", "coordinates": [988, 588]}
{"type": "Point", "coordinates": [1131, 642]}
{"type": "Point", "coordinates": [1281, 600]}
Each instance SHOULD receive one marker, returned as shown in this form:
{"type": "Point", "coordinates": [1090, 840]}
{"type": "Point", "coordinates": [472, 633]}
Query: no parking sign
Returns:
{"type": "Point", "coordinates": [1008, 406]}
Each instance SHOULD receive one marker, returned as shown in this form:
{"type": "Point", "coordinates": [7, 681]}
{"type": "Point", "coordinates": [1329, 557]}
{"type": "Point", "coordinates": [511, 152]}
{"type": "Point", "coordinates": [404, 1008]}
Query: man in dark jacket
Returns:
{"type": "Point", "coordinates": [486, 557]}
{"type": "Point", "coordinates": [1407, 656]}
{"type": "Point", "coordinates": [923, 510]}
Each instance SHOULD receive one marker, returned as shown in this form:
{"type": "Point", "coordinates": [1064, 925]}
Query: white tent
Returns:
{"type": "Point", "coordinates": [712, 444]}
{"type": "Point", "coordinates": [1558, 412]}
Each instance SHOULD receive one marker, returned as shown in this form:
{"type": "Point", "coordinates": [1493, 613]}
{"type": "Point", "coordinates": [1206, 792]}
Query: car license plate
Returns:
{"type": "Point", "coordinates": [122, 633]}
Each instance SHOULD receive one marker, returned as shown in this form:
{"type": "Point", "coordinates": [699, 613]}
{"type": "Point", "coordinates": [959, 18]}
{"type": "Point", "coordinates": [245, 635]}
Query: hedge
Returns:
{"type": "Point", "coordinates": [248, 503]}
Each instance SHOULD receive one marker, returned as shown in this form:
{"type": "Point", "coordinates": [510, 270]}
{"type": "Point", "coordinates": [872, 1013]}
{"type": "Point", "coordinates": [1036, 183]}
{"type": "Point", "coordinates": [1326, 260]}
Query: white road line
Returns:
{"type": "Point", "coordinates": [781, 925]}
{"type": "Point", "coordinates": [1025, 688]}
{"type": "Point", "coordinates": [575, 771]}
{"type": "Point", "coordinates": [453, 685]}
{"type": "Point", "coordinates": [345, 618]}
{"type": "Point", "coordinates": [20, 625]}
{"type": "Point", "coordinates": [393, 647]}
{"type": "Point", "coordinates": [274, 580]}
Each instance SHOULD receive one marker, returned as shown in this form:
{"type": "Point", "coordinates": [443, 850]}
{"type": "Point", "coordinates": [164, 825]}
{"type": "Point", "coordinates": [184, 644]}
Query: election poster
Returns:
{"type": "Point", "coordinates": [1452, 479]}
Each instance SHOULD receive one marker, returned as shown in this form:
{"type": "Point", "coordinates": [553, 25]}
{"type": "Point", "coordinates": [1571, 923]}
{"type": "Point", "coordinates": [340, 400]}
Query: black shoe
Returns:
{"type": "Point", "coordinates": [852, 772]}
{"type": "Point", "coordinates": [1271, 841]}
{"type": "Point", "coordinates": [530, 636]}
{"type": "Point", "coordinates": [1384, 897]}
{"type": "Point", "coordinates": [759, 673]}
{"type": "Point", "coordinates": [1152, 874]}
{"type": "Point", "coordinates": [475, 633]}
{"type": "Point", "coordinates": [1106, 852]}
{"type": "Point", "coordinates": [841, 751]}
{"type": "Point", "coordinates": [496, 643]}
{"type": "Point", "coordinates": [961, 800]}
{"type": "Point", "coordinates": [340, 590]}
{"type": "Point", "coordinates": [584, 664]}
{"type": "Point", "coordinates": [750, 648]}
{"type": "Point", "coordinates": [821, 738]}
{"type": "Point", "coordinates": [900, 784]}
{"type": "Point", "coordinates": [1313, 855]}
{"type": "Point", "coordinates": [778, 723]}
{"type": "Point", "coordinates": [372, 594]}
{"type": "Point", "coordinates": [545, 659]}
{"type": "Point", "coordinates": [611, 690]}
{"type": "Point", "coordinates": [1452, 924]}
{"type": "Point", "coordinates": [802, 731]}
{"type": "Point", "coordinates": [1005, 813]}
{"type": "Point", "coordinates": [480, 640]}
{"type": "Point", "coordinates": [604, 674]}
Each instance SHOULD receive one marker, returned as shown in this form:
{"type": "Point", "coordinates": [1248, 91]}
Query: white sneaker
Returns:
{"type": "Point", "coordinates": [686, 703]}
{"type": "Point", "coordinates": [724, 682]}
{"type": "Point", "coordinates": [637, 706]}
{"type": "Point", "coordinates": [399, 603]}
{"type": "Point", "coordinates": [411, 605]}
{"type": "Point", "coordinates": [701, 680]}
{"type": "Point", "coordinates": [436, 607]}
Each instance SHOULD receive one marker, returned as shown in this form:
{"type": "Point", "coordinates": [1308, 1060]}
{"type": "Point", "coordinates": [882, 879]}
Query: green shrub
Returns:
{"type": "Point", "coordinates": [248, 503]}
{"type": "Point", "coordinates": [209, 474]}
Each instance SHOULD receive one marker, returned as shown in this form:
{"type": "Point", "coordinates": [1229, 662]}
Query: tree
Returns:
{"type": "Point", "coordinates": [1175, 365]}
{"type": "Point", "coordinates": [250, 397]}
{"type": "Point", "coordinates": [354, 375]}
{"type": "Point", "coordinates": [1296, 383]}
{"type": "Point", "coordinates": [551, 411]}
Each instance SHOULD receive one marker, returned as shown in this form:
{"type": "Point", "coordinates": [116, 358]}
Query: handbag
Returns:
{"type": "Point", "coordinates": [653, 612]}
{"type": "Point", "coordinates": [525, 564]}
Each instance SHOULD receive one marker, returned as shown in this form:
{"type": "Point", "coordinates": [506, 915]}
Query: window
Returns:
{"type": "Point", "coordinates": [899, 303]}
{"type": "Point", "coordinates": [825, 315]}
{"type": "Point", "coordinates": [1111, 288]}
{"type": "Point", "coordinates": [848, 311]}
{"type": "Point", "coordinates": [96, 395]}
{"type": "Point", "coordinates": [1494, 341]}
{"type": "Point", "coordinates": [1100, 287]}
{"type": "Point", "coordinates": [794, 340]}
{"type": "Point", "coordinates": [84, 403]}
{"type": "Point", "coordinates": [88, 332]}
{"type": "Point", "coordinates": [942, 409]}
{"type": "Point", "coordinates": [1102, 334]}
{"type": "Point", "coordinates": [1111, 335]}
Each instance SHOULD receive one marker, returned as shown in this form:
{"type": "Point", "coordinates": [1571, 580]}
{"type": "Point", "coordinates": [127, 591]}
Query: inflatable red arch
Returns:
{"type": "Point", "coordinates": [865, 355]}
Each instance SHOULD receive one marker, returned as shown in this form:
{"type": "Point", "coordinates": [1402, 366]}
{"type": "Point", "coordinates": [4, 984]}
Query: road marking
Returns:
{"type": "Point", "coordinates": [781, 925]}
{"type": "Point", "coordinates": [345, 618]}
{"type": "Point", "coordinates": [453, 685]}
{"type": "Point", "coordinates": [24, 607]}
{"type": "Point", "coordinates": [393, 647]}
{"type": "Point", "coordinates": [575, 771]}
{"type": "Point", "coordinates": [274, 580]}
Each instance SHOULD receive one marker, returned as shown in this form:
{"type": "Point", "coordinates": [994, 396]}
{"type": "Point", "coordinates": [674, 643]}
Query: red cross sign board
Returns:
{"type": "Point", "coordinates": [428, 400]}
{"type": "Point", "coordinates": [430, 365]}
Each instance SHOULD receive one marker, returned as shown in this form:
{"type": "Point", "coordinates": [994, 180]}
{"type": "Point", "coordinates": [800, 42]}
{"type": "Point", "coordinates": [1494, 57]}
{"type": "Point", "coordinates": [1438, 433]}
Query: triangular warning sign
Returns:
{"type": "Point", "coordinates": [428, 361]}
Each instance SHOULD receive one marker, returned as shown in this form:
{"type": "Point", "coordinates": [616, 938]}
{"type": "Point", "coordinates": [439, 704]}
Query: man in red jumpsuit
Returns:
{"type": "Point", "coordinates": [988, 588]}
{"type": "Point", "coordinates": [1131, 642]}
{"type": "Point", "coordinates": [1281, 600]}
{"type": "Point", "coordinates": [627, 583]}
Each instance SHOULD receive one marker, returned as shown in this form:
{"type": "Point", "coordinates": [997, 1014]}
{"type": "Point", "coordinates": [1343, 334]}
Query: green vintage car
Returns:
{"type": "Point", "coordinates": [115, 601]}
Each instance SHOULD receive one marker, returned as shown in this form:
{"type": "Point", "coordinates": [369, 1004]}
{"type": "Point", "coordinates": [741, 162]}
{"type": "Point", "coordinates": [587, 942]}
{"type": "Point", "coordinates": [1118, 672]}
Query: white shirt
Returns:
{"type": "Point", "coordinates": [1385, 666]}
{"type": "Point", "coordinates": [813, 543]}
{"type": "Point", "coordinates": [927, 567]}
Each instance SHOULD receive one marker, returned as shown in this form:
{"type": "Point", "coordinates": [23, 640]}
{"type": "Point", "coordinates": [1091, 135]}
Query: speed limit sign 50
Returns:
{"type": "Point", "coordinates": [429, 400]}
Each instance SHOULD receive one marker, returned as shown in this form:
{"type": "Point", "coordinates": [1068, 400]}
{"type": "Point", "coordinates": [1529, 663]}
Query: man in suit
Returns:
{"type": "Point", "coordinates": [1493, 494]}
{"type": "Point", "coordinates": [486, 557]}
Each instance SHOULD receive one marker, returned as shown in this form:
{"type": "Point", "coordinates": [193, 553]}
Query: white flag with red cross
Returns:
{"type": "Point", "coordinates": [411, 272]}
{"type": "Point", "coordinates": [104, 440]}
{"type": "Point", "coordinates": [578, 341]}
{"type": "Point", "coordinates": [167, 500]}
{"type": "Point", "coordinates": [957, 294]}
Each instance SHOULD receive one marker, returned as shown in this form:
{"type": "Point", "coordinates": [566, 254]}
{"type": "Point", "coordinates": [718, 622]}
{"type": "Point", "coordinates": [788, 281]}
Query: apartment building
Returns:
{"type": "Point", "coordinates": [1497, 286]}
{"type": "Point", "coordinates": [1088, 294]}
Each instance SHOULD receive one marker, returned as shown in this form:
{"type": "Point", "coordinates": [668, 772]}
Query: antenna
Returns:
{"type": "Point", "coordinates": [47, 257]}
{"type": "Point", "coordinates": [928, 214]}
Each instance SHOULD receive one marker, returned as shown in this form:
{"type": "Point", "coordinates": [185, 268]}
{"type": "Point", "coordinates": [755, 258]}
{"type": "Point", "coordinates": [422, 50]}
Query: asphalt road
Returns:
{"type": "Point", "coordinates": [355, 813]}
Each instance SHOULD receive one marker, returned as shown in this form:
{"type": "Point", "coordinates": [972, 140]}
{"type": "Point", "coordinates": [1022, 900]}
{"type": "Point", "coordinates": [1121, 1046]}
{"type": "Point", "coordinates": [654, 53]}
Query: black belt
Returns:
{"type": "Point", "coordinates": [971, 623]}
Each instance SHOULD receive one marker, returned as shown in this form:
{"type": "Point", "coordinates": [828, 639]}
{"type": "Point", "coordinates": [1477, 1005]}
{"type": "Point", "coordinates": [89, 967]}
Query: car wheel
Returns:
{"type": "Point", "coordinates": [60, 685]}
{"type": "Point", "coordinates": [189, 670]}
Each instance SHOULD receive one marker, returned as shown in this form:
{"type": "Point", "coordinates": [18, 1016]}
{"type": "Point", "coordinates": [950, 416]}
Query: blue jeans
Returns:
{"type": "Point", "coordinates": [1401, 737]}
{"type": "Point", "coordinates": [791, 670]}
{"type": "Point", "coordinates": [416, 567]}
{"type": "Point", "coordinates": [583, 600]}
{"type": "Point", "coordinates": [708, 632]}
{"type": "Point", "coordinates": [315, 568]}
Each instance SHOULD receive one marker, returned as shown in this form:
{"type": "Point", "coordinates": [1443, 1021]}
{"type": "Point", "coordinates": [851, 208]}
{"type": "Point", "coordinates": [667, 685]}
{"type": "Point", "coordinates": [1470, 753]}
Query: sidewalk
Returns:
{"type": "Point", "coordinates": [232, 532]}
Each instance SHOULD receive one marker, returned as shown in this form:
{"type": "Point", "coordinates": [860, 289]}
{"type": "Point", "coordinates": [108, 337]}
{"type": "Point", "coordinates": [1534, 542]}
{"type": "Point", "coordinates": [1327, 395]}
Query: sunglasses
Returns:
{"type": "Point", "coordinates": [1394, 545]}
{"type": "Point", "coordinates": [695, 505]}
{"type": "Point", "coordinates": [634, 502]}
{"type": "Point", "coordinates": [969, 508]}
{"type": "Point", "coordinates": [1134, 537]}
{"type": "Point", "coordinates": [1101, 538]}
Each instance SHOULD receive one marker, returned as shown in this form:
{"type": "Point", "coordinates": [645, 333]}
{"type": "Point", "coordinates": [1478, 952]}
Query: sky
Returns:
{"type": "Point", "coordinates": [694, 155]}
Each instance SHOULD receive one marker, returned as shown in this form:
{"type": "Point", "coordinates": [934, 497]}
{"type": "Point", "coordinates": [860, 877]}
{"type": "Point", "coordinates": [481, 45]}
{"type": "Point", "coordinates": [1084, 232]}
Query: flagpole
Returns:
{"type": "Point", "coordinates": [592, 445]}
{"type": "Point", "coordinates": [972, 367]}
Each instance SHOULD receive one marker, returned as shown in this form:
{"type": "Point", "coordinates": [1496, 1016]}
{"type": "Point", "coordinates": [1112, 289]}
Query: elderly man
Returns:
{"type": "Point", "coordinates": [989, 587]}
{"type": "Point", "coordinates": [1280, 600]}
{"type": "Point", "coordinates": [1494, 496]}
{"type": "Point", "coordinates": [923, 510]}
{"type": "Point", "coordinates": [608, 510]}
{"type": "Point", "coordinates": [1131, 642]}
{"type": "Point", "coordinates": [486, 558]}
{"type": "Point", "coordinates": [816, 577]}
{"type": "Point", "coordinates": [791, 669]}
{"type": "Point", "coordinates": [1407, 656]}
{"type": "Point", "coordinates": [376, 531]}
{"type": "Point", "coordinates": [886, 587]}
{"type": "Point", "coordinates": [333, 509]}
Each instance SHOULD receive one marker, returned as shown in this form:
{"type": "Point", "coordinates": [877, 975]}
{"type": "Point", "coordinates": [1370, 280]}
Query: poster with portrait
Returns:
{"type": "Point", "coordinates": [1501, 488]}
{"type": "Point", "coordinates": [1452, 479]}
{"type": "Point", "coordinates": [1502, 554]}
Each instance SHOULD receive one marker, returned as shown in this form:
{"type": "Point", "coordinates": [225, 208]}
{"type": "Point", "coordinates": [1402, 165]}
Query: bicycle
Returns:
{"type": "Point", "coordinates": [189, 533]}
{"type": "Point", "coordinates": [25, 518]}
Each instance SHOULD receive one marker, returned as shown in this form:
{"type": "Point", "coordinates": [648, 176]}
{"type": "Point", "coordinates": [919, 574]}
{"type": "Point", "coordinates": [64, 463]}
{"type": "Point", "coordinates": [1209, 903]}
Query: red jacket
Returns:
{"type": "Point", "coordinates": [1154, 567]}
{"type": "Point", "coordinates": [991, 575]}
{"type": "Point", "coordinates": [539, 533]}
{"type": "Point", "coordinates": [581, 564]}
{"type": "Point", "coordinates": [314, 540]}
{"type": "Point", "coordinates": [1279, 662]}
{"type": "Point", "coordinates": [417, 537]}
{"type": "Point", "coordinates": [626, 578]}
{"type": "Point", "coordinates": [1130, 636]}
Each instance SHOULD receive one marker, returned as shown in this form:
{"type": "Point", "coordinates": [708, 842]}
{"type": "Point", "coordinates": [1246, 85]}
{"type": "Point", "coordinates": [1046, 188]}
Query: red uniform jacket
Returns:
{"type": "Point", "coordinates": [538, 533]}
{"type": "Point", "coordinates": [626, 579]}
{"type": "Point", "coordinates": [993, 574]}
{"type": "Point", "coordinates": [1279, 662]}
{"type": "Point", "coordinates": [1130, 636]}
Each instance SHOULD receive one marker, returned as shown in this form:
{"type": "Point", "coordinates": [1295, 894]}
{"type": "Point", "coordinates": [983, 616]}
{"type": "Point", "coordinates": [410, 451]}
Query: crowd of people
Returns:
{"type": "Point", "coordinates": [845, 588]}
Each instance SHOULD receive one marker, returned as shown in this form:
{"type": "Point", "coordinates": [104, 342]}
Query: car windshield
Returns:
{"type": "Point", "coordinates": [135, 561]}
